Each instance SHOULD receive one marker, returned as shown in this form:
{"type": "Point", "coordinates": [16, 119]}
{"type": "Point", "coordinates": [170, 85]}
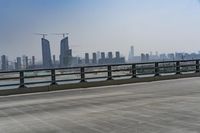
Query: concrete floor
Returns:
{"type": "Point", "coordinates": [171, 106]}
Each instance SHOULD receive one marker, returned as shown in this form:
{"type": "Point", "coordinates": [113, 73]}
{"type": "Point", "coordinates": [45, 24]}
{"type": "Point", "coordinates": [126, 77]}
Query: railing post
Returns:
{"type": "Point", "coordinates": [157, 69]}
{"type": "Point", "coordinates": [134, 71]}
{"type": "Point", "coordinates": [109, 72]}
{"type": "Point", "coordinates": [197, 66]}
{"type": "Point", "coordinates": [83, 74]}
{"type": "Point", "coordinates": [21, 77]}
{"type": "Point", "coordinates": [53, 77]}
{"type": "Point", "coordinates": [178, 67]}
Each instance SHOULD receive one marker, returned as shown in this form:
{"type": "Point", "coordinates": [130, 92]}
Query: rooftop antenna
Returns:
{"type": "Point", "coordinates": [63, 34]}
{"type": "Point", "coordinates": [41, 34]}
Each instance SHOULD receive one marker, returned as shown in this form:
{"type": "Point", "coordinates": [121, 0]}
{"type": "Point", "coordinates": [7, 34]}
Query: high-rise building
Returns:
{"type": "Point", "coordinates": [94, 58]}
{"type": "Point", "coordinates": [33, 61]}
{"type": "Point", "coordinates": [131, 54]}
{"type": "Point", "coordinates": [117, 54]}
{"type": "Point", "coordinates": [18, 63]}
{"type": "Point", "coordinates": [102, 60]}
{"type": "Point", "coordinates": [110, 55]}
{"type": "Point", "coordinates": [117, 59]}
{"type": "Point", "coordinates": [25, 61]}
{"type": "Point", "coordinates": [98, 55]}
{"type": "Point", "coordinates": [4, 63]}
{"type": "Point", "coordinates": [65, 53]}
{"type": "Point", "coordinates": [103, 55]}
{"type": "Point", "coordinates": [87, 58]}
{"type": "Point", "coordinates": [171, 56]}
{"type": "Point", "coordinates": [143, 57]}
{"type": "Point", "coordinates": [46, 53]}
{"type": "Point", "coordinates": [109, 60]}
{"type": "Point", "coordinates": [147, 58]}
{"type": "Point", "coordinates": [54, 60]}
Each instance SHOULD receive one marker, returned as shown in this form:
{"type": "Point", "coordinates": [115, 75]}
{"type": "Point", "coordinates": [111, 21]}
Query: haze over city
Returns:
{"type": "Point", "coordinates": [100, 25]}
{"type": "Point", "coordinates": [99, 66]}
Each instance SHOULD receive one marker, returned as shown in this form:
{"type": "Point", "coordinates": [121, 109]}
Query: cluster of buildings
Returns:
{"type": "Point", "coordinates": [150, 57]}
{"type": "Point", "coordinates": [99, 58]}
{"type": "Point", "coordinates": [20, 63]}
{"type": "Point", "coordinates": [65, 58]}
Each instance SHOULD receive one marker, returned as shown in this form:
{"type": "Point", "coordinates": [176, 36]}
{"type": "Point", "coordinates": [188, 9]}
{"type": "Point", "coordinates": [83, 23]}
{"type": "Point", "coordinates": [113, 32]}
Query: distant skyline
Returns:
{"type": "Point", "coordinates": [100, 25]}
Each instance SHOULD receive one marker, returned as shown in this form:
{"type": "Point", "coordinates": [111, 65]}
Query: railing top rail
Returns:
{"type": "Point", "coordinates": [95, 66]}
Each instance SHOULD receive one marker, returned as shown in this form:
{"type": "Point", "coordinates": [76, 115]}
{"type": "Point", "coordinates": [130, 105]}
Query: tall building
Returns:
{"type": "Point", "coordinates": [87, 58]}
{"type": "Point", "coordinates": [110, 55]}
{"type": "Point", "coordinates": [98, 55]}
{"type": "Point", "coordinates": [171, 56]}
{"type": "Point", "coordinates": [65, 53]}
{"type": "Point", "coordinates": [54, 60]}
{"type": "Point", "coordinates": [94, 58]}
{"type": "Point", "coordinates": [4, 63]}
{"type": "Point", "coordinates": [103, 55]}
{"type": "Point", "coordinates": [102, 60]}
{"type": "Point", "coordinates": [147, 57]}
{"type": "Point", "coordinates": [131, 54]}
{"type": "Point", "coordinates": [143, 57]}
{"type": "Point", "coordinates": [109, 60]}
{"type": "Point", "coordinates": [117, 54]}
{"type": "Point", "coordinates": [25, 61]}
{"type": "Point", "coordinates": [18, 63]}
{"type": "Point", "coordinates": [46, 53]}
{"type": "Point", "coordinates": [33, 61]}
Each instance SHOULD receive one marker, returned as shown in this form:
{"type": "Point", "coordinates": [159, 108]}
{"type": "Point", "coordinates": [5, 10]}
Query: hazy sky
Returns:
{"type": "Point", "coordinates": [100, 25]}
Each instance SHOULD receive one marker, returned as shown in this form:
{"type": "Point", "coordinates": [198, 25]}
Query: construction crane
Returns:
{"type": "Point", "coordinates": [63, 34]}
{"type": "Point", "coordinates": [43, 35]}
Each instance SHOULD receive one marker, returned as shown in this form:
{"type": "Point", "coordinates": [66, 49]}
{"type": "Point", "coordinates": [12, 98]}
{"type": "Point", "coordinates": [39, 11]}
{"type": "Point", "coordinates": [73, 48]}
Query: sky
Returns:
{"type": "Point", "coordinates": [100, 25]}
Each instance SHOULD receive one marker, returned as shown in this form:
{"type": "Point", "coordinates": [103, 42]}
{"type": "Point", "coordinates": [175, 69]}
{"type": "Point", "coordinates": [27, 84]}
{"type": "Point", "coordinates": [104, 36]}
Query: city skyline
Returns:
{"type": "Point", "coordinates": [66, 58]}
{"type": "Point", "coordinates": [164, 26]}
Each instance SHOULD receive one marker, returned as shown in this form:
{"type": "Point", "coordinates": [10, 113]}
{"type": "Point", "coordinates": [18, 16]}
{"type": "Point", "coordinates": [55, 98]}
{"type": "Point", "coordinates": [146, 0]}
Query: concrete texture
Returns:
{"type": "Point", "coordinates": [171, 106]}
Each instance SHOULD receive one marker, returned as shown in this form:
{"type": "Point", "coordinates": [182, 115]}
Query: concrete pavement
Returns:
{"type": "Point", "coordinates": [171, 106]}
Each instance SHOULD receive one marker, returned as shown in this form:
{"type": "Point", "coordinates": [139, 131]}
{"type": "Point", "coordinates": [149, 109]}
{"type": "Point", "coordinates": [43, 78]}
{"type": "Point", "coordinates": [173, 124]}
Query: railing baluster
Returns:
{"type": "Point", "coordinates": [178, 67]}
{"type": "Point", "coordinates": [157, 69]}
{"type": "Point", "coordinates": [134, 71]}
{"type": "Point", "coordinates": [109, 72]}
{"type": "Point", "coordinates": [197, 66]}
{"type": "Point", "coordinates": [83, 74]}
{"type": "Point", "coordinates": [53, 77]}
{"type": "Point", "coordinates": [21, 77]}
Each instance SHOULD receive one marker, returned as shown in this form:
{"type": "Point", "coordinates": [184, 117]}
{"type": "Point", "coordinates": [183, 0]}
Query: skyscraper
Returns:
{"type": "Point", "coordinates": [143, 57]}
{"type": "Point", "coordinates": [46, 53]}
{"type": "Point", "coordinates": [94, 58]}
{"type": "Point", "coordinates": [87, 58]}
{"type": "Point", "coordinates": [131, 54]}
{"type": "Point", "coordinates": [19, 63]}
{"type": "Point", "coordinates": [117, 54]}
{"type": "Point", "coordinates": [103, 56]}
{"type": "Point", "coordinates": [25, 61]}
{"type": "Point", "coordinates": [65, 53]}
{"type": "Point", "coordinates": [109, 60]}
{"type": "Point", "coordinates": [102, 60]}
{"type": "Point", "coordinates": [4, 63]}
{"type": "Point", "coordinates": [33, 61]}
{"type": "Point", "coordinates": [110, 55]}
{"type": "Point", "coordinates": [54, 60]}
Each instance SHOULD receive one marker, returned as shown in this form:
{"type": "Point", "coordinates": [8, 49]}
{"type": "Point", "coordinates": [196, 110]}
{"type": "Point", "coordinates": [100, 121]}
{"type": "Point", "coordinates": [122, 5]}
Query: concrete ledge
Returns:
{"type": "Point", "coordinates": [93, 84]}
